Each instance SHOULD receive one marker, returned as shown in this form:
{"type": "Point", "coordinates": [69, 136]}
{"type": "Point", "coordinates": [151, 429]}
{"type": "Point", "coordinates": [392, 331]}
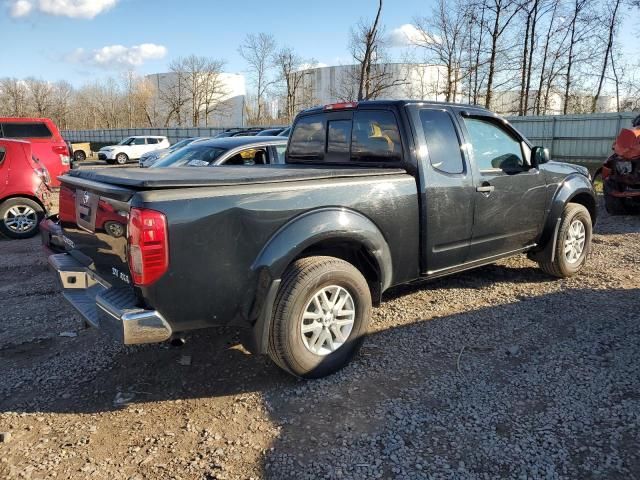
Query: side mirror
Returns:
{"type": "Point", "coordinates": [539, 156]}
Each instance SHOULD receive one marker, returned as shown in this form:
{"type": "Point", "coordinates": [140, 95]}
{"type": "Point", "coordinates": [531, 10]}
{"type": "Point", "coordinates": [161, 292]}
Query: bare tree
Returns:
{"type": "Point", "coordinates": [214, 90]}
{"type": "Point", "coordinates": [14, 96]}
{"type": "Point", "coordinates": [173, 94]}
{"type": "Point", "coordinates": [257, 51]}
{"type": "Point", "coordinates": [292, 70]}
{"type": "Point", "coordinates": [371, 74]}
{"type": "Point", "coordinates": [613, 20]}
{"type": "Point", "coordinates": [442, 35]}
{"type": "Point", "coordinates": [501, 14]}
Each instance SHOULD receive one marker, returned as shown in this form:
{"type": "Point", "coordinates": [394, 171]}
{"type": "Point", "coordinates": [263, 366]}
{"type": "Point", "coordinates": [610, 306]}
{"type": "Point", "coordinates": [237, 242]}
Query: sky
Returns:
{"type": "Point", "coordinates": [82, 40]}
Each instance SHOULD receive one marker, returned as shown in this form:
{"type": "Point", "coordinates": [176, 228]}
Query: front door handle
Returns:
{"type": "Point", "coordinates": [485, 188]}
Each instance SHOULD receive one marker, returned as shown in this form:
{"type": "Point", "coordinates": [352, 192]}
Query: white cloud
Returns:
{"type": "Point", "coordinates": [21, 8]}
{"type": "Point", "coordinates": [119, 56]}
{"type": "Point", "coordinates": [63, 8]}
{"type": "Point", "coordinates": [406, 35]}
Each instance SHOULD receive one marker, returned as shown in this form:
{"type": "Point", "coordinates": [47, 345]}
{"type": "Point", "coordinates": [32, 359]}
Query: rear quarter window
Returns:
{"type": "Point", "coordinates": [308, 138]}
{"type": "Point", "coordinates": [25, 130]}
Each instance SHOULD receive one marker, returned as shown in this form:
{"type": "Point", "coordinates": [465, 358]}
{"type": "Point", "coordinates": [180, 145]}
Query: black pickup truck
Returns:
{"type": "Point", "coordinates": [372, 195]}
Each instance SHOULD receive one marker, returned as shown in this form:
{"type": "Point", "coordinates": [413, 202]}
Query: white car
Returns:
{"type": "Point", "coordinates": [132, 148]}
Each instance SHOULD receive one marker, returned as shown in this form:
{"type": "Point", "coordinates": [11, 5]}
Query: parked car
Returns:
{"type": "Point", "coordinates": [132, 148]}
{"type": "Point", "coordinates": [270, 132]}
{"type": "Point", "coordinates": [80, 151]}
{"type": "Point", "coordinates": [46, 142]}
{"type": "Point", "coordinates": [372, 195]}
{"type": "Point", "coordinates": [25, 195]}
{"type": "Point", "coordinates": [150, 158]}
{"type": "Point", "coordinates": [228, 151]}
{"type": "Point", "coordinates": [229, 132]}
{"type": "Point", "coordinates": [285, 132]}
{"type": "Point", "coordinates": [619, 176]}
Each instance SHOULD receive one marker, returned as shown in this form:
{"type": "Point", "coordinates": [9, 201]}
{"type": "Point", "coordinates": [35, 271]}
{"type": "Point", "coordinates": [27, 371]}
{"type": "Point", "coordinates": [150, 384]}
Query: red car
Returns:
{"type": "Point", "coordinates": [25, 195]}
{"type": "Point", "coordinates": [46, 142]}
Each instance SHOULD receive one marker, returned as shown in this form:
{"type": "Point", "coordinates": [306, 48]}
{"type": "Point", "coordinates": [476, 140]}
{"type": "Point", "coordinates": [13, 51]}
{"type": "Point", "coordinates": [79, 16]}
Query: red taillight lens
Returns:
{"type": "Point", "coordinates": [148, 245]}
{"type": "Point", "coordinates": [63, 151]}
{"type": "Point", "coordinates": [60, 150]}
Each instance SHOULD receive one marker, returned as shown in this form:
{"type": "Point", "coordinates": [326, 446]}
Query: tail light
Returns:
{"type": "Point", "coordinates": [341, 106]}
{"type": "Point", "coordinates": [148, 245]}
{"type": "Point", "coordinates": [63, 151]}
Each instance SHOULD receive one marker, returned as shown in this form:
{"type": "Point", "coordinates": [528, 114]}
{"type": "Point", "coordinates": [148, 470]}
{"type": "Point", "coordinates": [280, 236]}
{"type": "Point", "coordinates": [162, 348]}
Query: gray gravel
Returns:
{"type": "Point", "coordinates": [500, 372]}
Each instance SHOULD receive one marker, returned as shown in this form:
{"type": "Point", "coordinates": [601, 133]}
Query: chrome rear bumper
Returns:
{"type": "Point", "coordinates": [105, 307]}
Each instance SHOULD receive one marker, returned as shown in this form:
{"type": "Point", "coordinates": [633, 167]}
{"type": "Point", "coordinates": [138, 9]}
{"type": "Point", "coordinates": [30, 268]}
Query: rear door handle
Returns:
{"type": "Point", "coordinates": [485, 188]}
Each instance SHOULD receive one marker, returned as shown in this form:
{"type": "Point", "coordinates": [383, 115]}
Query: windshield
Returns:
{"type": "Point", "coordinates": [181, 143]}
{"type": "Point", "coordinates": [193, 156]}
{"type": "Point", "coordinates": [126, 141]}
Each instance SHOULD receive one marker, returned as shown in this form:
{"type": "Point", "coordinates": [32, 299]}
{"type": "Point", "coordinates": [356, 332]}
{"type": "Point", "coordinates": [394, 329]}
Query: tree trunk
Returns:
{"type": "Point", "coordinates": [612, 28]}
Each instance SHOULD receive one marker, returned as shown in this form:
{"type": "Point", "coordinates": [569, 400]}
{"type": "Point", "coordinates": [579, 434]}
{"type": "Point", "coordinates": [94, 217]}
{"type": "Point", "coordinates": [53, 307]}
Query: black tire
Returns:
{"type": "Point", "coordinates": [615, 205]}
{"type": "Point", "coordinates": [79, 156]}
{"type": "Point", "coordinates": [122, 159]}
{"type": "Point", "coordinates": [301, 282]}
{"type": "Point", "coordinates": [8, 219]}
{"type": "Point", "coordinates": [561, 267]}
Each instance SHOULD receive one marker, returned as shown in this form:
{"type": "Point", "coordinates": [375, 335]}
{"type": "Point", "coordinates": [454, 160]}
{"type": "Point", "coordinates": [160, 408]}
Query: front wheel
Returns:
{"type": "Point", "coordinates": [321, 315]}
{"type": "Point", "coordinates": [122, 159]}
{"type": "Point", "coordinates": [573, 243]}
{"type": "Point", "coordinates": [20, 217]}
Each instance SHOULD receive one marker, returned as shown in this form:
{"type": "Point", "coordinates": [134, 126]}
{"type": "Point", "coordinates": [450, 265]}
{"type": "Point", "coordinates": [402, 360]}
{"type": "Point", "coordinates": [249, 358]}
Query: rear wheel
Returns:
{"type": "Point", "coordinates": [614, 205]}
{"type": "Point", "coordinates": [321, 315]}
{"type": "Point", "coordinates": [20, 217]}
{"type": "Point", "coordinates": [573, 243]}
{"type": "Point", "coordinates": [122, 159]}
{"type": "Point", "coordinates": [79, 156]}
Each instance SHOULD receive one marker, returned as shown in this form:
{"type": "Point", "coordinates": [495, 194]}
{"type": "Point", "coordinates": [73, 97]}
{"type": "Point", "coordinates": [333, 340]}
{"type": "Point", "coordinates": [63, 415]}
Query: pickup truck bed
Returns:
{"type": "Point", "coordinates": [217, 177]}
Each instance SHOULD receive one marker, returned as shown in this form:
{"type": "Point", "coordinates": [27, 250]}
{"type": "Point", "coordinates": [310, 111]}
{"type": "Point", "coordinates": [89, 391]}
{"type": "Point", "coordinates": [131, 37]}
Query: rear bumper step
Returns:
{"type": "Point", "coordinates": [111, 309]}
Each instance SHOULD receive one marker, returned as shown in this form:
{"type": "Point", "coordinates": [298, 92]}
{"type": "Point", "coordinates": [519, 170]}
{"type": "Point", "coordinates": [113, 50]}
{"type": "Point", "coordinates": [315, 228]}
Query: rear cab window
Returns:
{"type": "Point", "coordinates": [346, 137]}
{"type": "Point", "coordinates": [25, 130]}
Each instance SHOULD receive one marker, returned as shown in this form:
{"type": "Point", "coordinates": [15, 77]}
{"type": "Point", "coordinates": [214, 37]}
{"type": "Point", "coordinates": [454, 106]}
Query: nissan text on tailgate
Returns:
{"type": "Point", "coordinates": [373, 195]}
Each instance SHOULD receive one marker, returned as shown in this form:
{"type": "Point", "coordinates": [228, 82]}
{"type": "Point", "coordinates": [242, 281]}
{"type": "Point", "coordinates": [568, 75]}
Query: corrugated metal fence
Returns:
{"type": "Point", "coordinates": [575, 138]}
{"type": "Point", "coordinates": [572, 138]}
{"type": "Point", "coordinates": [115, 135]}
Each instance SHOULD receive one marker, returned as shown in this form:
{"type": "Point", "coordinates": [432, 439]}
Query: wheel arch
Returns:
{"type": "Point", "coordinates": [575, 189]}
{"type": "Point", "coordinates": [28, 196]}
{"type": "Point", "coordinates": [333, 231]}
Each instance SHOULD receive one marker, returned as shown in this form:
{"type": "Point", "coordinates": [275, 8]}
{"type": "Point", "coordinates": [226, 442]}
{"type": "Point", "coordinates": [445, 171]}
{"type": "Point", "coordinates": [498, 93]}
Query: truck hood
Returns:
{"type": "Point", "coordinates": [155, 178]}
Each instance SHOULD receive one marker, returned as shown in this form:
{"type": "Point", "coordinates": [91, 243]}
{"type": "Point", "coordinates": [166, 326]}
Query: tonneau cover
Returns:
{"type": "Point", "coordinates": [149, 178]}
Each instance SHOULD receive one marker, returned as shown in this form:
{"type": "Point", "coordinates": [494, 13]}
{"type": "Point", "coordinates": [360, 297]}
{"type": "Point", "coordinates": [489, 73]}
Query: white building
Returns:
{"type": "Point", "coordinates": [231, 99]}
{"type": "Point", "coordinates": [408, 80]}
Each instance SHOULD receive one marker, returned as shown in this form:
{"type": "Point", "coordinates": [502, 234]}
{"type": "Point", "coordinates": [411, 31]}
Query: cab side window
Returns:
{"type": "Point", "coordinates": [152, 141]}
{"type": "Point", "coordinates": [138, 141]}
{"type": "Point", "coordinates": [375, 137]}
{"type": "Point", "coordinates": [2, 155]}
{"type": "Point", "coordinates": [493, 148]}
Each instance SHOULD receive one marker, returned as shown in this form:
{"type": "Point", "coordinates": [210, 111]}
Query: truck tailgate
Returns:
{"type": "Point", "coordinates": [94, 217]}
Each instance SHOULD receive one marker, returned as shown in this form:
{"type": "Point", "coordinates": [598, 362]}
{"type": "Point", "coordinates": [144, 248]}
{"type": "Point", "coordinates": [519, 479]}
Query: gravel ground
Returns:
{"type": "Point", "coordinates": [498, 372]}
